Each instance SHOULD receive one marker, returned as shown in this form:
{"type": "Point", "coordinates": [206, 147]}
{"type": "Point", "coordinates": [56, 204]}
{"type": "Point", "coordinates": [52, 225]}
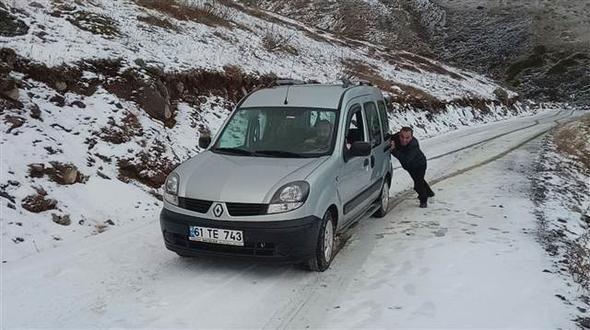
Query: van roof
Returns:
{"type": "Point", "coordinates": [308, 95]}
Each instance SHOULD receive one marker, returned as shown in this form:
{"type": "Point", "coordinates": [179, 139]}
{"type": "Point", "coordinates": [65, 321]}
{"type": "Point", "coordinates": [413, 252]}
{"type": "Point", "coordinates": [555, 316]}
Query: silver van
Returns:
{"type": "Point", "coordinates": [292, 166]}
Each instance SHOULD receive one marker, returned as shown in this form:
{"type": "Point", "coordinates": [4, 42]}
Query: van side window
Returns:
{"type": "Point", "coordinates": [383, 115]}
{"type": "Point", "coordinates": [373, 123]}
{"type": "Point", "coordinates": [354, 125]}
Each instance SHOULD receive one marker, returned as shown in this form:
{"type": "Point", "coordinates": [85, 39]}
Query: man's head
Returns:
{"type": "Point", "coordinates": [324, 130]}
{"type": "Point", "coordinates": [405, 135]}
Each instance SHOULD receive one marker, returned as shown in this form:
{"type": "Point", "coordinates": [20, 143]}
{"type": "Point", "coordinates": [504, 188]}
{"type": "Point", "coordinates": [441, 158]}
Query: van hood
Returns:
{"type": "Point", "coordinates": [229, 178]}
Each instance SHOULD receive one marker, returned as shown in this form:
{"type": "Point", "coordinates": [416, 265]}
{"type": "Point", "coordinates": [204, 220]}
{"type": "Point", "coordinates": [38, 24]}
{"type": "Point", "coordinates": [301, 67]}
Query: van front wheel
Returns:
{"type": "Point", "coordinates": [325, 245]}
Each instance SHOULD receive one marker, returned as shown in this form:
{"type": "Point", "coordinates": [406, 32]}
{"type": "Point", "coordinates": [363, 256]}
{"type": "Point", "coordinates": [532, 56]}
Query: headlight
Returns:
{"type": "Point", "coordinates": [171, 189]}
{"type": "Point", "coordinates": [289, 197]}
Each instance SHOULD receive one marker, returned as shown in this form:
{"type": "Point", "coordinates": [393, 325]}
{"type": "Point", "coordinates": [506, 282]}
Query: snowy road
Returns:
{"type": "Point", "coordinates": [469, 260]}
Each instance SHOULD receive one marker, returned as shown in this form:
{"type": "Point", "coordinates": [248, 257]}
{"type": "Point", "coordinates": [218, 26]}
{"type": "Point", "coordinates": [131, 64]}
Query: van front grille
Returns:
{"type": "Point", "coordinates": [246, 209]}
{"type": "Point", "coordinates": [196, 205]}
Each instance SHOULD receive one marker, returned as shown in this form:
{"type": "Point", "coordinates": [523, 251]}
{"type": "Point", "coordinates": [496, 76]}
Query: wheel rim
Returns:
{"type": "Point", "coordinates": [385, 197]}
{"type": "Point", "coordinates": [328, 239]}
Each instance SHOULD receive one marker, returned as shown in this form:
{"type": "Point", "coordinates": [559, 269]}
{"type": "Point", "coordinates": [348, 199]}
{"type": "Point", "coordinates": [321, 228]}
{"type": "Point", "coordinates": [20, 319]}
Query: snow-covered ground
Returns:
{"type": "Point", "coordinates": [471, 260]}
{"type": "Point", "coordinates": [95, 133]}
{"type": "Point", "coordinates": [101, 261]}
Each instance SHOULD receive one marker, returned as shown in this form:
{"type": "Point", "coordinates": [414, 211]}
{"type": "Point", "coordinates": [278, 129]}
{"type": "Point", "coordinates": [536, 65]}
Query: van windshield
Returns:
{"type": "Point", "coordinates": [279, 132]}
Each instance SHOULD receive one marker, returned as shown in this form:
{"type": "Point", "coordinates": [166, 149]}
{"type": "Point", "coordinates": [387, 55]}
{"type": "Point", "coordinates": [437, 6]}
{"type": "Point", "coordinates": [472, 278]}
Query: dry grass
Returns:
{"type": "Point", "coordinates": [225, 37]}
{"type": "Point", "coordinates": [417, 98]}
{"type": "Point", "coordinates": [355, 20]}
{"type": "Point", "coordinates": [574, 140]}
{"type": "Point", "coordinates": [353, 68]}
{"type": "Point", "coordinates": [202, 12]}
{"type": "Point", "coordinates": [159, 22]}
{"type": "Point", "coordinates": [38, 202]}
{"type": "Point", "coordinates": [415, 63]}
{"type": "Point", "coordinates": [123, 132]}
{"type": "Point", "coordinates": [150, 167]}
{"type": "Point", "coordinates": [232, 83]}
{"type": "Point", "coordinates": [11, 26]}
{"type": "Point", "coordinates": [94, 23]}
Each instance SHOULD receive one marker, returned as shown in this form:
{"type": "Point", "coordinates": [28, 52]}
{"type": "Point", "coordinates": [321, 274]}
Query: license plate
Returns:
{"type": "Point", "coordinates": [215, 235]}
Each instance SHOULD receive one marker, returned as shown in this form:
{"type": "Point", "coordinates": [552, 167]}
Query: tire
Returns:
{"type": "Point", "coordinates": [383, 201]}
{"type": "Point", "coordinates": [324, 251]}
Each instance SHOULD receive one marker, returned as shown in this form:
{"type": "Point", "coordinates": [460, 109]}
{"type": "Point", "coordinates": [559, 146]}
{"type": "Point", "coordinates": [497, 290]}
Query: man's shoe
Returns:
{"type": "Point", "coordinates": [423, 204]}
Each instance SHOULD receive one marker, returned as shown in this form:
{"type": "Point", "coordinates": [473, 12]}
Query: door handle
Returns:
{"type": "Point", "coordinates": [366, 162]}
{"type": "Point", "coordinates": [372, 161]}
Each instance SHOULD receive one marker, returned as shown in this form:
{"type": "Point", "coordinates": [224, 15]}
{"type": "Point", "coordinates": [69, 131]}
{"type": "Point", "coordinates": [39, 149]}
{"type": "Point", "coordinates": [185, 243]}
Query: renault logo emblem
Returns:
{"type": "Point", "coordinates": [218, 210]}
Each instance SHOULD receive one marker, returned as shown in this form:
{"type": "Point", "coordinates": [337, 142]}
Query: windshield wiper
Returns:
{"type": "Point", "coordinates": [280, 153]}
{"type": "Point", "coordinates": [233, 151]}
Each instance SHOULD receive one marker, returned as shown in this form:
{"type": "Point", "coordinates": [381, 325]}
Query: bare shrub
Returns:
{"type": "Point", "coordinates": [274, 41]}
{"type": "Point", "coordinates": [579, 260]}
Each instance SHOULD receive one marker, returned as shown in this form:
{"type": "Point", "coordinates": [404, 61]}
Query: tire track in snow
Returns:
{"type": "Point", "coordinates": [537, 122]}
{"type": "Point", "coordinates": [284, 318]}
{"type": "Point", "coordinates": [402, 196]}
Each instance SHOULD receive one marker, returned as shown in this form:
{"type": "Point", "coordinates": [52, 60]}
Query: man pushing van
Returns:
{"type": "Point", "coordinates": [406, 149]}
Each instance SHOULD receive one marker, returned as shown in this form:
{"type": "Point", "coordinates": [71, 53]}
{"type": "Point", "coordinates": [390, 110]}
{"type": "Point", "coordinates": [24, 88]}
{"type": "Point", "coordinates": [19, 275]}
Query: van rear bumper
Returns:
{"type": "Point", "coordinates": [281, 241]}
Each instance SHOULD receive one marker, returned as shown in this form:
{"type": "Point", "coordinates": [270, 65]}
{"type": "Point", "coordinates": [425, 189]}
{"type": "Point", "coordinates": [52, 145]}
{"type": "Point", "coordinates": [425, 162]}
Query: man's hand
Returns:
{"type": "Point", "coordinates": [391, 144]}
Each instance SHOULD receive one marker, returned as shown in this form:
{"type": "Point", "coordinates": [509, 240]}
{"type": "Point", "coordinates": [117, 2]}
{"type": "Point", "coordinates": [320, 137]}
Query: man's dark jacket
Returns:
{"type": "Point", "coordinates": [410, 156]}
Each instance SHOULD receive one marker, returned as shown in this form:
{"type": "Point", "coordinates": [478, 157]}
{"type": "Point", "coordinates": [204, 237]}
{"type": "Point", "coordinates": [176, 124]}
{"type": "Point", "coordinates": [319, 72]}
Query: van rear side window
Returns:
{"type": "Point", "coordinates": [373, 123]}
{"type": "Point", "coordinates": [383, 115]}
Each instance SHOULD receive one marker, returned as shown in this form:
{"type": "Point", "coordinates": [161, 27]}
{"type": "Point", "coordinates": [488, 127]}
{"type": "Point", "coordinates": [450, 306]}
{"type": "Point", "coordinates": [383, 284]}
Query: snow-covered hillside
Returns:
{"type": "Point", "coordinates": [100, 99]}
{"type": "Point", "coordinates": [540, 48]}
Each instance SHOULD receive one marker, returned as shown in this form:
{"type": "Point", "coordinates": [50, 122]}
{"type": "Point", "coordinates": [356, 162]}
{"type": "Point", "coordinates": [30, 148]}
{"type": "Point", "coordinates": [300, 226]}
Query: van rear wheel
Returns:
{"type": "Point", "coordinates": [324, 251]}
{"type": "Point", "coordinates": [383, 201]}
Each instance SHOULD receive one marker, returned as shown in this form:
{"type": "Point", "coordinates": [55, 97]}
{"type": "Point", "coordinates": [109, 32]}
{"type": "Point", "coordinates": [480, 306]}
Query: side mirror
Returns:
{"type": "Point", "coordinates": [204, 141]}
{"type": "Point", "coordinates": [360, 149]}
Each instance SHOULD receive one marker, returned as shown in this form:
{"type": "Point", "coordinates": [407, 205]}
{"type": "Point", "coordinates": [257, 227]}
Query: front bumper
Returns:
{"type": "Point", "coordinates": [289, 240]}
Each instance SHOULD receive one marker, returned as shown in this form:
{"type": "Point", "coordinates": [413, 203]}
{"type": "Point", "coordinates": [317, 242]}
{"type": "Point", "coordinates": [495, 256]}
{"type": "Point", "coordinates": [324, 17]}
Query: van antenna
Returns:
{"type": "Point", "coordinates": [287, 95]}
{"type": "Point", "coordinates": [289, 86]}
